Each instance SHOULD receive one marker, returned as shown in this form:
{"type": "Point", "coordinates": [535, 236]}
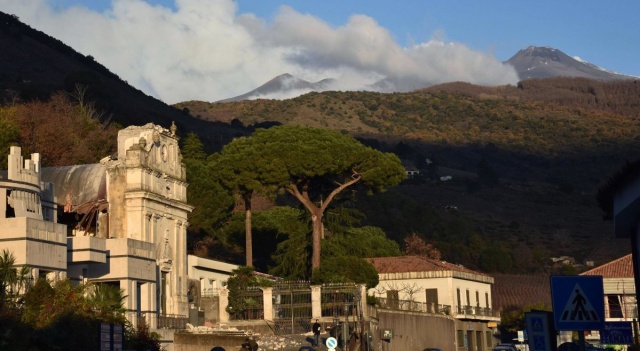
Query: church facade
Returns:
{"type": "Point", "coordinates": [122, 221]}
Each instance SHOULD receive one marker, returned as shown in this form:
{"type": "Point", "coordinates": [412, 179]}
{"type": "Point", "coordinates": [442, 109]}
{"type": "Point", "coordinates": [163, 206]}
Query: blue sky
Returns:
{"type": "Point", "coordinates": [214, 49]}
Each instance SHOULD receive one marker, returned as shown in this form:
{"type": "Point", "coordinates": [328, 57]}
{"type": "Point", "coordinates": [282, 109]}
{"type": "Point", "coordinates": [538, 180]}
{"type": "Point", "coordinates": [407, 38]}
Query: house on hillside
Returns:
{"type": "Point", "coordinates": [410, 169]}
{"type": "Point", "coordinates": [415, 283]}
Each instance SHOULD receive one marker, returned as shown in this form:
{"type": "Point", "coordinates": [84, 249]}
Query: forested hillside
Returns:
{"type": "Point", "coordinates": [525, 162]}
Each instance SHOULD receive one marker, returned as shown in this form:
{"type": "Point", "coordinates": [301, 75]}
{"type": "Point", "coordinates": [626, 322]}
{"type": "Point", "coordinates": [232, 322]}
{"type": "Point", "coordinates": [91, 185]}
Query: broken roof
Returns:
{"type": "Point", "coordinates": [77, 185]}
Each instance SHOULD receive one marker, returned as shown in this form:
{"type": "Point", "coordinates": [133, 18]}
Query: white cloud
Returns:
{"type": "Point", "coordinates": [206, 50]}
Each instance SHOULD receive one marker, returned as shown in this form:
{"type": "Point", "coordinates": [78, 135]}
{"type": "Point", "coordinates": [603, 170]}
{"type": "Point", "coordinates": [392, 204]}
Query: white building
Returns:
{"type": "Point", "coordinates": [619, 292]}
{"type": "Point", "coordinates": [421, 284]}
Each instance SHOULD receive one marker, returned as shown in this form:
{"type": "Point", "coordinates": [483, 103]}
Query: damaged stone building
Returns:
{"type": "Point", "coordinates": [122, 221]}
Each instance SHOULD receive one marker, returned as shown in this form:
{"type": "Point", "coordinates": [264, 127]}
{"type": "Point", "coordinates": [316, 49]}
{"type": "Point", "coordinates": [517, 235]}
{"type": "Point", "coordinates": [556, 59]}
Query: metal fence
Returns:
{"type": "Point", "coordinates": [339, 300]}
{"type": "Point", "coordinates": [172, 321]}
{"type": "Point", "coordinates": [292, 307]}
{"type": "Point", "coordinates": [250, 305]}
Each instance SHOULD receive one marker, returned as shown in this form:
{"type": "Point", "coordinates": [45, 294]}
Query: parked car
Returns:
{"type": "Point", "coordinates": [505, 347]}
{"type": "Point", "coordinates": [573, 346]}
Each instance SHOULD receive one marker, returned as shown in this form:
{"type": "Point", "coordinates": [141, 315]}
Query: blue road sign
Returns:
{"type": "Point", "coordinates": [331, 343]}
{"type": "Point", "coordinates": [617, 333]}
{"type": "Point", "coordinates": [538, 330]}
{"type": "Point", "coordinates": [578, 302]}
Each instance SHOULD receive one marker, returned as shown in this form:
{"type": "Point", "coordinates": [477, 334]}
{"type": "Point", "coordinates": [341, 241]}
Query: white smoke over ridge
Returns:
{"type": "Point", "coordinates": [205, 50]}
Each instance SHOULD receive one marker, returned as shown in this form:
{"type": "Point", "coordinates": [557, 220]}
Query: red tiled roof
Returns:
{"type": "Point", "coordinates": [404, 264]}
{"type": "Point", "coordinates": [620, 268]}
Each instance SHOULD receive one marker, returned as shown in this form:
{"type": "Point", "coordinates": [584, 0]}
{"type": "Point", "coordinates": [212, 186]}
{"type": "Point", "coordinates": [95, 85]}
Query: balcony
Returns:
{"type": "Point", "coordinates": [413, 306]}
{"type": "Point", "coordinates": [475, 312]}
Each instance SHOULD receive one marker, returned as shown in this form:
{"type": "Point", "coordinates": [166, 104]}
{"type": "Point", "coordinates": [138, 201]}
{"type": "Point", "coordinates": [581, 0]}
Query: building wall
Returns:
{"type": "Point", "coordinates": [414, 332]}
{"type": "Point", "coordinates": [447, 290]}
{"type": "Point", "coordinates": [35, 243]}
{"type": "Point", "coordinates": [25, 228]}
{"type": "Point", "coordinates": [474, 336]}
{"type": "Point", "coordinates": [472, 287]}
{"type": "Point", "coordinates": [210, 273]}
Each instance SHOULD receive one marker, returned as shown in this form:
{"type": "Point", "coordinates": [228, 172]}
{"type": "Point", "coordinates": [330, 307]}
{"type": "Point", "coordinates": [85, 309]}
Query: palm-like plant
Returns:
{"type": "Point", "coordinates": [107, 302]}
{"type": "Point", "coordinates": [12, 278]}
{"type": "Point", "coordinates": [8, 272]}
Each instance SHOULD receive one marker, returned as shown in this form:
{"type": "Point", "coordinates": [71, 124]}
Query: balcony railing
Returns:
{"type": "Point", "coordinates": [627, 312]}
{"type": "Point", "coordinates": [172, 321]}
{"type": "Point", "coordinates": [477, 311]}
{"type": "Point", "coordinates": [210, 292]}
{"type": "Point", "coordinates": [413, 306]}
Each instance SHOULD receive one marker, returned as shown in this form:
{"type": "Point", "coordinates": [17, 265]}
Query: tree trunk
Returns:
{"type": "Point", "coordinates": [247, 229]}
{"type": "Point", "coordinates": [316, 220]}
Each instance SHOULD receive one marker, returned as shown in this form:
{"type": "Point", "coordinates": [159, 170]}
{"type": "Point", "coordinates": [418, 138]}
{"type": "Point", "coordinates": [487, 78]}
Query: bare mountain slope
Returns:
{"type": "Point", "coordinates": [546, 62]}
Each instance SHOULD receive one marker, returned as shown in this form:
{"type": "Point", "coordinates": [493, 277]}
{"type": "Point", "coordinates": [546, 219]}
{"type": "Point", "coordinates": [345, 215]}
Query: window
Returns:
{"type": "Point", "coordinates": [477, 299]}
{"type": "Point", "coordinates": [459, 303]}
{"type": "Point", "coordinates": [432, 300]}
{"type": "Point", "coordinates": [487, 338]}
{"type": "Point", "coordinates": [615, 310]}
{"type": "Point", "coordinates": [393, 298]}
{"type": "Point", "coordinates": [460, 338]}
{"type": "Point", "coordinates": [486, 300]}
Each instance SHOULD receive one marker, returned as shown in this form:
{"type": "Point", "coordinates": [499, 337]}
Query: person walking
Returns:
{"type": "Point", "coordinates": [253, 344]}
{"type": "Point", "coordinates": [316, 333]}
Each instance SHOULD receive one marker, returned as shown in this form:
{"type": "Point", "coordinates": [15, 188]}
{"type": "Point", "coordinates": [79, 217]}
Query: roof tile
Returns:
{"type": "Point", "coordinates": [620, 268]}
{"type": "Point", "coordinates": [404, 264]}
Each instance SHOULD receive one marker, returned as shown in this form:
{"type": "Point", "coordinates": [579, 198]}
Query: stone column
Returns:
{"type": "Point", "coordinates": [148, 304]}
{"type": "Point", "coordinates": [223, 302]}
{"type": "Point", "coordinates": [362, 290]}
{"type": "Point", "coordinates": [267, 301]}
{"type": "Point", "coordinates": [128, 290]}
{"type": "Point", "coordinates": [316, 301]}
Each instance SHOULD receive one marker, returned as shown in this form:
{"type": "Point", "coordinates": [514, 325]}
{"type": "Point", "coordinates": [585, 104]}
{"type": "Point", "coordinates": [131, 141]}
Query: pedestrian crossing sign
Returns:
{"type": "Point", "coordinates": [578, 302]}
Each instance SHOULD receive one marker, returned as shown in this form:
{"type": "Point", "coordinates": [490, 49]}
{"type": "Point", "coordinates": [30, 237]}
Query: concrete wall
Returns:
{"type": "Point", "coordinates": [211, 307]}
{"type": "Point", "coordinates": [205, 342]}
{"type": "Point", "coordinates": [414, 332]}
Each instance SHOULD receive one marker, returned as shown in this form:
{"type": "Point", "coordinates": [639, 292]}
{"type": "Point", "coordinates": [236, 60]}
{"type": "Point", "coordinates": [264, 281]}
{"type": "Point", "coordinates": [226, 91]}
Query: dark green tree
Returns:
{"type": "Point", "coordinates": [512, 319]}
{"type": "Point", "coordinates": [360, 242]}
{"type": "Point", "coordinates": [496, 259]}
{"type": "Point", "coordinates": [346, 269]}
{"type": "Point", "coordinates": [212, 203]}
{"type": "Point", "coordinates": [243, 168]}
{"type": "Point", "coordinates": [192, 148]}
{"type": "Point", "coordinates": [317, 165]}
{"type": "Point", "coordinates": [241, 280]}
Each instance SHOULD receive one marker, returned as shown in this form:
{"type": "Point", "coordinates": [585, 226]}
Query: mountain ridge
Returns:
{"type": "Point", "coordinates": [530, 63]}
